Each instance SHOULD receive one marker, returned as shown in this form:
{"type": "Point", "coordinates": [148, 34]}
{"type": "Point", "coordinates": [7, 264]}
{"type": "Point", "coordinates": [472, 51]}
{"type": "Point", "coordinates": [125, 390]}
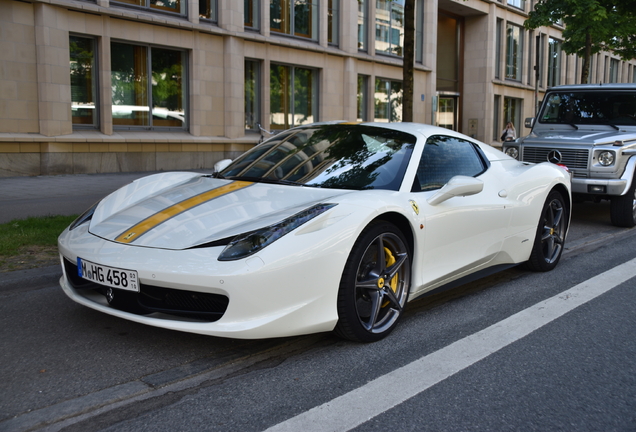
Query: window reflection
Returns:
{"type": "Point", "coordinates": [294, 17]}
{"type": "Point", "coordinates": [514, 52]}
{"type": "Point", "coordinates": [389, 26]}
{"type": "Point", "coordinates": [252, 92]}
{"type": "Point", "coordinates": [207, 9]}
{"type": "Point", "coordinates": [333, 156]}
{"type": "Point", "coordinates": [388, 100]}
{"type": "Point", "coordinates": [83, 81]}
{"type": "Point", "coordinates": [333, 21]}
{"type": "Point", "coordinates": [167, 87]}
{"type": "Point", "coordinates": [250, 14]}
{"type": "Point", "coordinates": [176, 6]}
{"type": "Point", "coordinates": [146, 81]}
{"type": "Point", "coordinates": [362, 25]}
{"type": "Point", "coordinates": [129, 79]}
{"type": "Point", "coordinates": [292, 96]}
{"type": "Point", "coordinates": [363, 97]}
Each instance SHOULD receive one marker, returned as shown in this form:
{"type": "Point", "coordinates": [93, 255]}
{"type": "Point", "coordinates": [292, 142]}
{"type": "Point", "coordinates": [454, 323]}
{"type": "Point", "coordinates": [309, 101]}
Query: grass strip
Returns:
{"type": "Point", "coordinates": [33, 231]}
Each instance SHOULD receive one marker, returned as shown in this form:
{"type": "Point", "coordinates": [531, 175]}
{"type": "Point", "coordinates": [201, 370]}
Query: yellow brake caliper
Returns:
{"type": "Point", "coordinates": [393, 283]}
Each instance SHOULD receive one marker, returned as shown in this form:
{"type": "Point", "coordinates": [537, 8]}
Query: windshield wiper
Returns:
{"type": "Point", "coordinates": [266, 180]}
{"type": "Point", "coordinates": [574, 126]}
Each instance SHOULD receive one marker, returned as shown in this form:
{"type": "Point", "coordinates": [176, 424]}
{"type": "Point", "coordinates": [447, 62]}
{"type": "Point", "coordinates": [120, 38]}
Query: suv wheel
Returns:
{"type": "Point", "coordinates": [623, 208]}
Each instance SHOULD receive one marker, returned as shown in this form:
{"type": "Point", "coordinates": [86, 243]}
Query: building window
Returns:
{"type": "Point", "coordinates": [252, 92]}
{"type": "Point", "coordinates": [498, 42]}
{"type": "Point", "coordinates": [541, 58]}
{"type": "Point", "coordinates": [531, 58]}
{"type": "Point", "coordinates": [362, 25]}
{"type": "Point", "coordinates": [148, 87]}
{"type": "Point", "coordinates": [333, 22]}
{"type": "Point", "coordinates": [512, 112]}
{"type": "Point", "coordinates": [294, 17]}
{"type": "Point", "coordinates": [388, 100]}
{"type": "Point", "coordinates": [175, 6]}
{"type": "Point", "coordinates": [363, 97]}
{"type": "Point", "coordinates": [554, 62]}
{"type": "Point", "coordinates": [613, 70]}
{"type": "Point", "coordinates": [207, 9]}
{"type": "Point", "coordinates": [495, 119]}
{"type": "Point", "coordinates": [251, 14]}
{"type": "Point", "coordinates": [83, 82]}
{"type": "Point", "coordinates": [389, 27]}
{"type": "Point", "coordinates": [521, 4]}
{"type": "Point", "coordinates": [419, 31]}
{"type": "Point", "coordinates": [293, 96]}
{"type": "Point", "coordinates": [514, 52]}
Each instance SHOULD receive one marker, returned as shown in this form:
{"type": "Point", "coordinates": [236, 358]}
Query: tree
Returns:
{"type": "Point", "coordinates": [408, 62]}
{"type": "Point", "coordinates": [591, 26]}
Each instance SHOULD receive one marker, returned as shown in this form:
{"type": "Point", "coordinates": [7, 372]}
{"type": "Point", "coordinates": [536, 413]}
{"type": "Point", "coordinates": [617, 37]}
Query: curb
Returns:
{"type": "Point", "coordinates": [27, 280]}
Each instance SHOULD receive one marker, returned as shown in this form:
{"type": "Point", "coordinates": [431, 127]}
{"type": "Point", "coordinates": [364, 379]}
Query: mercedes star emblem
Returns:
{"type": "Point", "coordinates": [555, 156]}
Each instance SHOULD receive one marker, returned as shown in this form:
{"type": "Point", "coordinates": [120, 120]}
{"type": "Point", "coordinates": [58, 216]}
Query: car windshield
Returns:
{"type": "Point", "coordinates": [592, 107]}
{"type": "Point", "coordinates": [330, 156]}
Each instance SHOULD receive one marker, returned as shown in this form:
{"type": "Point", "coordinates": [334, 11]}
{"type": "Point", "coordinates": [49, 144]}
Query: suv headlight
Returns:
{"type": "Point", "coordinates": [513, 152]}
{"type": "Point", "coordinates": [606, 158]}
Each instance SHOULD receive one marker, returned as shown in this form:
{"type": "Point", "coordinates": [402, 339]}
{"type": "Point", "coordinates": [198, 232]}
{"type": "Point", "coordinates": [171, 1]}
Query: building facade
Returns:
{"type": "Point", "coordinates": [92, 86]}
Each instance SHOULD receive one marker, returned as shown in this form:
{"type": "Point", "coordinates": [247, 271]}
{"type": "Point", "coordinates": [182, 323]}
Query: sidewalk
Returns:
{"type": "Point", "coordinates": [21, 197]}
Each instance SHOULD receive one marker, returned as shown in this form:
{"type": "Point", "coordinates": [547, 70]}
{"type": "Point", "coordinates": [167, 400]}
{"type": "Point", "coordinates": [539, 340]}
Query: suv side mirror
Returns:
{"type": "Point", "coordinates": [529, 122]}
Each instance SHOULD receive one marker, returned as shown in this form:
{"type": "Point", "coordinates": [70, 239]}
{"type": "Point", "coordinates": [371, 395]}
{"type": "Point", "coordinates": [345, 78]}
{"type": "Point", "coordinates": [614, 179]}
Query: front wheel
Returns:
{"type": "Point", "coordinates": [550, 237]}
{"type": "Point", "coordinates": [374, 285]}
{"type": "Point", "coordinates": [623, 208]}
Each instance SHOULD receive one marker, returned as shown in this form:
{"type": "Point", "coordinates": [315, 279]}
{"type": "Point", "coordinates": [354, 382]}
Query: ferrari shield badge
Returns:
{"type": "Point", "coordinates": [416, 209]}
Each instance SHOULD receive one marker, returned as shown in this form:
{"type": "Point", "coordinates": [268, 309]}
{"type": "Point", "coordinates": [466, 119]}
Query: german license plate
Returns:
{"type": "Point", "coordinates": [109, 276]}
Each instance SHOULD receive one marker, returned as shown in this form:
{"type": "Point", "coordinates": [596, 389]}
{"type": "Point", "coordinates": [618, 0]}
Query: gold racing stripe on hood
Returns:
{"type": "Point", "coordinates": [132, 234]}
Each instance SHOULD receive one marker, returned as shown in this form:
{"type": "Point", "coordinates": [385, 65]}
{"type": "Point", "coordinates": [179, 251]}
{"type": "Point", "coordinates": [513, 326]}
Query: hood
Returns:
{"type": "Point", "coordinates": [182, 210]}
{"type": "Point", "coordinates": [579, 137]}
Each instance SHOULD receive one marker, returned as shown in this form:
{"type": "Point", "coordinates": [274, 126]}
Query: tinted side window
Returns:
{"type": "Point", "coordinates": [445, 157]}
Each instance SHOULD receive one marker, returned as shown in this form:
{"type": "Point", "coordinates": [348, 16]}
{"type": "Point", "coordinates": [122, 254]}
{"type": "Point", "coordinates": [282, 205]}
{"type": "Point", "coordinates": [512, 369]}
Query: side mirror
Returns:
{"type": "Point", "coordinates": [457, 186]}
{"type": "Point", "coordinates": [221, 165]}
{"type": "Point", "coordinates": [529, 122]}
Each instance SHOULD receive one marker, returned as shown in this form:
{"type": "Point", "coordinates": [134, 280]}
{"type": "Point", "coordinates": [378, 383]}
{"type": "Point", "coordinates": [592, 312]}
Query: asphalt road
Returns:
{"type": "Point", "coordinates": [67, 367]}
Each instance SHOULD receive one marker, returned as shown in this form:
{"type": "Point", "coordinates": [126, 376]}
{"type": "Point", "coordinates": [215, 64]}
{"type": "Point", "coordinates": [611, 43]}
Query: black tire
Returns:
{"type": "Point", "coordinates": [623, 208]}
{"type": "Point", "coordinates": [550, 238]}
{"type": "Point", "coordinates": [375, 284]}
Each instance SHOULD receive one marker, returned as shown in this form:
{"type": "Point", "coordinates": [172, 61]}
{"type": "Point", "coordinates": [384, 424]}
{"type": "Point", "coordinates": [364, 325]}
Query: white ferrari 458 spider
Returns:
{"type": "Point", "coordinates": [331, 226]}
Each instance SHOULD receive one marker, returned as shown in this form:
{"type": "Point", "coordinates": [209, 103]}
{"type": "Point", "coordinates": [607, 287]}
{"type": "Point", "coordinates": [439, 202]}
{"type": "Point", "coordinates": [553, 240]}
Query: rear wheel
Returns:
{"type": "Point", "coordinates": [550, 238]}
{"type": "Point", "coordinates": [374, 285]}
{"type": "Point", "coordinates": [623, 208]}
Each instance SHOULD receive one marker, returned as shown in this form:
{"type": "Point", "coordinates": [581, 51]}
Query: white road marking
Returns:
{"type": "Point", "coordinates": [356, 407]}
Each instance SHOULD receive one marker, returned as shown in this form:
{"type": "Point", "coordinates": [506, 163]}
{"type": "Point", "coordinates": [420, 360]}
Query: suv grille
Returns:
{"type": "Point", "coordinates": [573, 159]}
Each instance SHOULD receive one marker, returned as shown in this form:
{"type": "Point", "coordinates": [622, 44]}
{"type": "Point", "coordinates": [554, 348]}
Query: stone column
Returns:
{"type": "Point", "coordinates": [54, 78]}
{"type": "Point", "coordinates": [234, 78]}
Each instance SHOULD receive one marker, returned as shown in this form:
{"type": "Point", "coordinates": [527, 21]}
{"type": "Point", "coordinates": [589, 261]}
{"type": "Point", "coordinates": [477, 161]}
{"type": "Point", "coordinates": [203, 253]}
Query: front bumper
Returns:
{"type": "Point", "coordinates": [271, 294]}
{"type": "Point", "coordinates": [609, 186]}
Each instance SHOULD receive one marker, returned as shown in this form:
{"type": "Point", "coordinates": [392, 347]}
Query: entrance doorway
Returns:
{"type": "Point", "coordinates": [447, 112]}
{"type": "Point", "coordinates": [449, 66]}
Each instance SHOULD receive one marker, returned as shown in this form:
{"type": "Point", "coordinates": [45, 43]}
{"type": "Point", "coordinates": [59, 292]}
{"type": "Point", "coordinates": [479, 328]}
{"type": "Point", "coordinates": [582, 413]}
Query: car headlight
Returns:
{"type": "Point", "coordinates": [606, 158]}
{"type": "Point", "coordinates": [513, 152]}
{"type": "Point", "coordinates": [84, 217]}
{"type": "Point", "coordinates": [248, 244]}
